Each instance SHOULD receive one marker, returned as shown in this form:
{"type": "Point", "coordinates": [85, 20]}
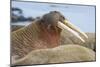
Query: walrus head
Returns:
{"type": "Point", "coordinates": [54, 20]}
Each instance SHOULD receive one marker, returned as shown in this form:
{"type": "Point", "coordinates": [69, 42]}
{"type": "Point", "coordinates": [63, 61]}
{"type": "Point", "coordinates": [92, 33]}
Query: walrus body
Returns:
{"type": "Point", "coordinates": [33, 37]}
{"type": "Point", "coordinates": [60, 54]}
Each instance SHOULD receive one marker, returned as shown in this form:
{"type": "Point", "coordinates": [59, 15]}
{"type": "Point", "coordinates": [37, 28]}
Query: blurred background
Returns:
{"type": "Point", "coordinates": [23, 13]}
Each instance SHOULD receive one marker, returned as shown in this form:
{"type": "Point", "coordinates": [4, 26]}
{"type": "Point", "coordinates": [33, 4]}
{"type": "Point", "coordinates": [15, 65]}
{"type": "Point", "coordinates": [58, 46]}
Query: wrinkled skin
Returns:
{"type": "Point", "coordinates": [42, 33]}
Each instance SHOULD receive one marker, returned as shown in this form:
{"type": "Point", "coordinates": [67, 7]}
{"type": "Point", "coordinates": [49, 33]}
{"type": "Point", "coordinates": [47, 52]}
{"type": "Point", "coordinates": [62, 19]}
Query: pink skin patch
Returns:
{"type": "Point", "coordinates": [50, 36]}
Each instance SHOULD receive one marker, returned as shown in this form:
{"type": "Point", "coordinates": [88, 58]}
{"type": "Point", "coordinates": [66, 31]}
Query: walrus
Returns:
{"type": "Point", "coordinates": [41, 34]}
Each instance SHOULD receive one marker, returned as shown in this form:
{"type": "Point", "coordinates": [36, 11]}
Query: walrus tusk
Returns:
{"type": "Point", "coordinates": [66, 22]}
{"type": "Point", "coordinates": [65, 27]}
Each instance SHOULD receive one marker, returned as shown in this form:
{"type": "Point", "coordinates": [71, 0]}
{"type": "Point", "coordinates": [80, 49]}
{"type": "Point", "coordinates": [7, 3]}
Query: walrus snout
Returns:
{"type": "Point", "coordinates": [50, 20]}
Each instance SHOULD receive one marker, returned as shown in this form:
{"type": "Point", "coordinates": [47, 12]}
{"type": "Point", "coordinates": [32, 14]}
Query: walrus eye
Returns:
{"type": "Point", "coordinates": [62, 18]}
